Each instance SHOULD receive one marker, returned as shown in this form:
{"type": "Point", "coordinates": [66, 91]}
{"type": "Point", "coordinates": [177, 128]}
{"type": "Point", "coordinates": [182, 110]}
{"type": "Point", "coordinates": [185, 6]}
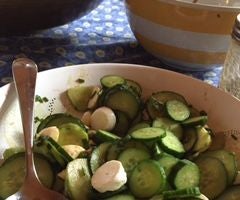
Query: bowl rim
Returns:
{"type": "Point", "coordinates": [202, 5]}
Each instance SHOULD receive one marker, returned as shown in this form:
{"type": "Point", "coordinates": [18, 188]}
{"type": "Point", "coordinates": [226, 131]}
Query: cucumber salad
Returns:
{"type": "Point", "coordinates": [123, 146]}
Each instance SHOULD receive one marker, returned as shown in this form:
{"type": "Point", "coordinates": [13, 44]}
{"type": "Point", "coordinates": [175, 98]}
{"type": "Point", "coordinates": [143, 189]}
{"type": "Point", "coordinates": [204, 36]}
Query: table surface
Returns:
{"type": "Point", "coordinates": [101, 36]}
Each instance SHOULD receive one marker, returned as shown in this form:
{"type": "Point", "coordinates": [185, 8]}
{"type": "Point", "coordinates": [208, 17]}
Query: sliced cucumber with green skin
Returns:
{"type": "Point", "coordinates": [184, 174]}
{"type": "Point", "coordinates": [167, 161]}
{"type": "Point", "coordinates": [12, 173]}
{"type": "Point", "coordinates": [41, 147]}
{"type": "Point", "coordinates": [130, 157]}
{"type": "Point", "coordinates": [98, 156]}
{"type": "Point", "coordinates": [177, 110]}
{"type": "Point", "coordinates": [134, 86]}
{"type": "Point", "coordinates": [138, 118]}
{"type": "Point", "coordinates": [229, 161]}
{"type": "Point", "coordinates": [157, 197]}
{"type": "Point", "coordinates": [164, 96]}
{"type": "Point", "coordinates": [110, 81]}
{"type": "Point", "coordinates": [182, 193]}
{"type": "Point", "coordinates": [121, 98]}
{"type": "Point", "coordinates": [204, 140]}
{"type": "Point", "coordinates": [11, 151]}
{"type": "Point", "coordinates": [190, 137]}
{"type": "Point", "coordinates": [71, 133]}
{"type": "Point", "coordinates": [155, 104]}
{"type": "Point", "coordinates": [148, 134]}
{"type": "Point", "coordinates": [172, 145]}
{"type": "Point", "coordinates": [113, 151]}
{"type": "Point", "coordinates": [122, 123]}
{"type": "Point", "coordinates": [95, 195]}
{"type": "Point", "coordinates": [232, 193]}
{"type": "Point", "coordinates": [147, 179]}
{"type": "Point", "coordinates": [105, 136]}
{"type": "Point", "coordinates": [116, 148]}
{"type": "Point", "coordinates": [57, 120]}
{"type": "Point", "coordinates": [121, 197]}
{"type": "Point", "coordinates": [154, 108]}
{"type": "Point", "coordinates": [139, 125]}
{"type": "Point", "coordinates": [78, 180]}
{"type": "Point", "coordinates": [79, 96]}
{"type": "Point", "coordinates": [195, 121]}
{"type": "Point", "coordinates": [213, 179]}
{"type": "Point", "coordinates": [169, 124]}
{"type": "Point", "coordinates": [54, 149]}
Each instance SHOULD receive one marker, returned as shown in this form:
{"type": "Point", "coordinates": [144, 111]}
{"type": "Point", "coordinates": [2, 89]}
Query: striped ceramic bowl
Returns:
{"type": "Point", "coordinates": [185, 34]}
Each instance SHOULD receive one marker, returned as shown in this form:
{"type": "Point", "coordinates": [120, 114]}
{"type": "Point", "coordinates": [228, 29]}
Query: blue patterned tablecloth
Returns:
{"type": "Point", "coordinates": [101, 36]}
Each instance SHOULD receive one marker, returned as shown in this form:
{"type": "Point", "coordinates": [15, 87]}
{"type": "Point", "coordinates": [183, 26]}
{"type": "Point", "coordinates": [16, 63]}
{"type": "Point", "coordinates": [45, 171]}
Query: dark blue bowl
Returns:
{"type": "Point", "coordinates": [23, 16]}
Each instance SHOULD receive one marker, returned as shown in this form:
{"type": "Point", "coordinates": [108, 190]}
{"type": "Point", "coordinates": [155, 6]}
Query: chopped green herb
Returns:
{"type": "Point", "coordinates": [41, 99]}
{"type": "Point", "coordinates": [37, 119]}
{"type": "Point", "coordinates": [80, 80]}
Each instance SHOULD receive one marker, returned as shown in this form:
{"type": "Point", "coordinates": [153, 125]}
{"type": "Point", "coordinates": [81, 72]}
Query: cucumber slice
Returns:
{"type": "Point", "coordinates": [177, 110]}
{"type": "Point", "coordinates": [204, 140]}
{"type": "Point", "coordinates": [79, 96]}
{"type": "Point", "coordinates": [105, 136]}
{"type": "Point", "coordinates": [154, 108]}
{"type": "Point", "coordinates": [164, 96]}
{"type": "Point", "coordinates": [12, 173]}
{"type": "Point", "coordinates": [167, 162]}
{"type": "Point", "coordinates": [113, 151]}
{"type": "Point", "coordinates": [155, 104]}
{"type": "Point", "coordinates": [134, 86]}
{"type": "Point", "coordinates": [157, 197]}
{"type": "Point", "coordinates": [147, 179]}
{"type": "Point", "coordinates": [54, 149]}
{"type": "Point", "coordinates": [148, 134]}
{"type": "Point", "coordinates": [71, 133]}
{"type": "Point", "coordinates": [229, 161]}
{"type": "Point", "coordinates": [130, 157]}
{"type": "Point", "coordinates": [78, 180]}
{"type": "Point", "coordinates": [232, 193]}
{"type": "Point", "coordinates": [169, 124]}
{"type": "Point", "coordinates": [110, 81]}
{"type": "Point", "coordinates": [11, 151]}
{"type": "Point", "coordinates": [98, 156]}
{"type": "Point", "coordinates": [172, 145]}
{"type": "Point", "coordinates": [185, 174]}
{"type": "Point", "coordinates": [196, 121]}
{"type": "Point", "coordinates": [190, 137]}
{"type": "Point", "coordinates": [95, 195]}
{"type": "Point", "coordinates": [121, 98]}
{"type": "Point", "coordinates": [121, 197]}
{"type": "Point", "coordinates": [57, 120]}
{"type": "Point", "coordinates": [122, 123]}
{"type": "Point", "coordinates": [139, 117]}
{"type": "Point", "coordinates": [213, 179]}
{"type": "Point", "coordinates": [41, 147]}
{"type": "Point", "coordinates": [182, 193]}
{"type": "Point", "coordinates": [139, 125]}
{"type": "Point", "coordinates": [116, 148]}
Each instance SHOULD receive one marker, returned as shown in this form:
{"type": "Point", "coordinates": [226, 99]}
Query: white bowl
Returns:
{"type": "Point", "coordinates": [223, 110]}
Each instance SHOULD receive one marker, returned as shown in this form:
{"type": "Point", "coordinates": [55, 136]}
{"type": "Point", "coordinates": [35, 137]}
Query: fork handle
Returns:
{"type": "Point", "coordinates": [25, 74]}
